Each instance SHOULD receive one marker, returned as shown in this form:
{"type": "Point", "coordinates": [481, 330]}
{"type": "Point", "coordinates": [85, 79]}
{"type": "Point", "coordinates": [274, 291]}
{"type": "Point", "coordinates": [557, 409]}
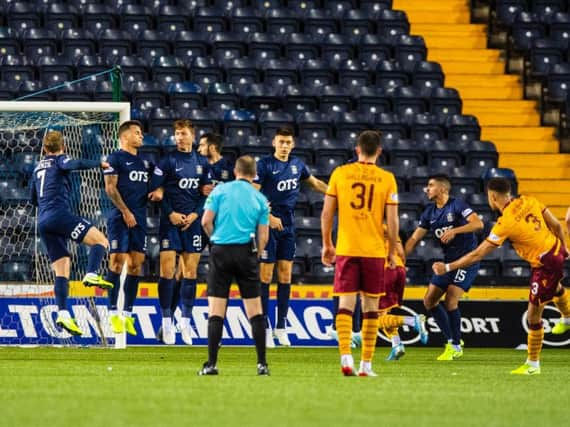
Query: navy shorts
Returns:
{"type": "Point", "coordinates": [280, 246]}
{"type": "Point", "coordinates": [123, 239]}
{"type": "Point", "coordinates": [461, 277]}
{"type": "Point", "coordinates": [172, 238]}
{"type": "Point", "coordinates": [56, 230]}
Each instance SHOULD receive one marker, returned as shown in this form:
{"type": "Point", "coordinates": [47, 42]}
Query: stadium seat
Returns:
{"type": "Point", "coordinates": [428, 74]}
{"type": "Point", "coordinates": [300, 47]}
{"type": "Point", "coordinates": [115, 42]}
{"type": "Point", "coordinates": [135, 18]}
{"type": "Point", "coordinates": [264, 46]}
{"type": "Point", "coordinates": [316, 72]}
{"type": "Point", "coordinates": [314, 125]}
{"type": "Point", "coordinates": [349, 125]}
{"type": "Point", "coordinates": [337, 48]}
{"type": "Point", "coordinates": [205, 71]}
{"type": "Point", "coordinates": [185, 95]}
{"type": "Point", "coordinates": [463, 128]}
{"type": "Point", "coordinates": [407, 100]}
{"type": "Point", "coordinates": [372, 100]}
{"type": "Point", "coordinates": [38, 41]}
{"type": "Point", "coordinates": [299, 99]}
{"type": "Point", "coordinates": [16, 69]}
{"type": "Point", "coordinates": [409, 50]}
{"type": "Point", "coordinates": [282, 21]}
{"type": "Point", "coordinates": [373, 49]}
{"type": "Point", "coordinates": [241, 71]}
{"type": "Point", "coordinates": [168, 69]}
{"type": "Point", "coordinates": [405, 153]}
{"type": "Point", "coordinates": [559, 27]}
{"type": "Point", "coordinates": [152, 44]}
{"type": "Point", "coordinates": [526, 28]}
{"type": "Point", "coordinates": [354, 74]}
{"type": "Point", "coordinates": [22, 15]}
{"type": "Point", "coordinates": [9, 44]}
{"type": "Point", "coordinates": [172, 19]}
{"type": "Point", "coordinates": [480, 154]}
{"type": "Point", "coordinates": [203, 120]}
{"type": "Point", "coordinates": [239, 124]}
{"type": "Point", "coordinates": [209, 20]}
{"type": "Point", "coordinates": [334, 99]}
{"type": "Point", "coordinates": [221, 96]}
{"type": "Point", "coordinates": [390, 75]}
{"type": "Point", "coordinates": [374, 7]}
{"type": "Point", "coordinates": [556, 86]}
{"type": "Point", "coordinates": [270, 121]}
{"type": "Point", "coordinates": [99, 17]}
{"type": "Point", "coordinates": [391, 126]}
{"type": "Point", "coordinates": [54, 70]}
{"type": "Point", "coordinates": [426, 128]}
{"type": "Point", "coordinates": [515, 271]}
{"type": "Point", "coordinates": [246, 20]}
{"type": "Point", "coordinates": [443, 154]}
{"type": "Point", "coordinates": [502, 173]}
{"type": "Point", "coordinates": [257, 147]}
{"type": "Point", "coordinates": [354, 23]}
{"type": "Point", "coordinates": [392, 23]}
{"type": "Point", "coordinates": [228, 45]}
{"type": "Point", "coordinates": [445, 101]}
{"type": "Point", "coordinates": [280, 72]}
{"type": "Point", "coordinates": [189, 44]}
{"type": "Point", "coordinates": [77, 42]}
{"type": "Point", "coordinates": [60, 16]}
{"type": "Point", "coordinates": [260, 97]}
{"type": "Point", "coordinates": [544, 54]}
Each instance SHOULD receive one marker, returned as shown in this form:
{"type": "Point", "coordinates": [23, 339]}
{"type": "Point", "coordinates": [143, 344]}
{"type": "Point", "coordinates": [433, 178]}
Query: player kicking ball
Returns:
{"type": "Point", "coordinates": [50, 192]}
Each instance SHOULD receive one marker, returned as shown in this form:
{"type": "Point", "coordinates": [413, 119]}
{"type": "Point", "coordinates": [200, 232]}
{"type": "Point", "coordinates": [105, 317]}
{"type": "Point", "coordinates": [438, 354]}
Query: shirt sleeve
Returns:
{"type": "Point", "coordinates": [424, 220]}
{"type": "Point", "coordinates": [33, 193]}
{"type": "Point", "coordinates": [68, 164]}
{"type": "Point", "coordinates": [213, 201]}
{"type": "Point", "coordinates": [260, 177]}
{"type": "Point", "coordinates": [332, 186]}
{"type": "Point", "coordinates": [264, 217]}
{"type": "Point", "coordinates": [305, 174]}
{"type": "Point", "coordinates": [158, 176]}
{"type": "Point", "coordinates": [113, 168]}
{"type": "Point", "coordinates": [463, 208]}
{"type": "Point", "coordinates": [206, 177]}
{"type": "Point", "coordinates": [392, 193]}
{"type": "Point", "coordinates": [499, 233]}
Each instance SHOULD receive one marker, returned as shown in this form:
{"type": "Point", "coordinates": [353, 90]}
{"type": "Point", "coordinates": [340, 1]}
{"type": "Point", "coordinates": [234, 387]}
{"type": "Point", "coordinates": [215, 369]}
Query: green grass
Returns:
{"type": "Point", "coordinates": [159, 387]}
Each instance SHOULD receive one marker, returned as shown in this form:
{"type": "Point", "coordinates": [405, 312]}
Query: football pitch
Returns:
{"type": "Point", "coordinates": [157, 386]}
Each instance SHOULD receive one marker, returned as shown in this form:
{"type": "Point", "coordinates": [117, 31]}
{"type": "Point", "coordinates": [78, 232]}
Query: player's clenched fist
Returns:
{"type": "Point", "coordinates": [328, 256]}
{"type": "Point", "coordinates": [439, 268]}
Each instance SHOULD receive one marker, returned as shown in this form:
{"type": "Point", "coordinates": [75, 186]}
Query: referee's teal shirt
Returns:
{"type": "Point", "coordinates": [239, 209]}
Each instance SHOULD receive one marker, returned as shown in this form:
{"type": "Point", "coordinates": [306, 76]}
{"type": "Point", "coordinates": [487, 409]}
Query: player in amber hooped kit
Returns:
{"type": "Point", "coordinates": [538, 238]}
{"type": "Point", "coordinates": [363, 194]}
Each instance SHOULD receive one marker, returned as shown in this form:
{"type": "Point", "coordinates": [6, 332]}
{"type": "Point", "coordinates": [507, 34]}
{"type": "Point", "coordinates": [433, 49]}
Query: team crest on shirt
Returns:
{"type": "Point", "coordinates": [450, 217]}
{"type": "Point", "coordinates": [146, 164]}
{"type": "Point", "coordinates": [225, 175]}
{"type": "Point", "coordinates": [114, 244]}
{"type": "Point", "coordinates": [165, 243]}
{"type": "Point", "coordinates": [199, 169]}
{"type": "Point", "coordinates": [294, 169]}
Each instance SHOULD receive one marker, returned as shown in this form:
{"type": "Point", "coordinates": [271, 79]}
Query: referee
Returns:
{"type": "Point", "coordinates": [233, 214]}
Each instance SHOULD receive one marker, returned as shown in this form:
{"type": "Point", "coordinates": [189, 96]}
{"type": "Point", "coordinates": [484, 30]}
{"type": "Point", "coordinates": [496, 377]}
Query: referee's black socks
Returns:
{"type": "Point", "coordinates": [258, 331]}
{"type": "Point", "coordinates": [215, 329]}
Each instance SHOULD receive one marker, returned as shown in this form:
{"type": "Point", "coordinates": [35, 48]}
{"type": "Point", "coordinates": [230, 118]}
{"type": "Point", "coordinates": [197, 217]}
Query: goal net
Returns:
{"type": "Point", "coordinates": [27, 303]}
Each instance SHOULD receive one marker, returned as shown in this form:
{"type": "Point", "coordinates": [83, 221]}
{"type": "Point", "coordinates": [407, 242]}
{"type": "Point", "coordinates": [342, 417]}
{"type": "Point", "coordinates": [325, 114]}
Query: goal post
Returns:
{"type": "Point", "coordinates": [90, 131]}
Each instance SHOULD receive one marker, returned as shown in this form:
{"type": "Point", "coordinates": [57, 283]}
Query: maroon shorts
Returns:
{"type": "Point", "coordinates": [544, 280]}
{"type": "Point", "coordinates": [394, 283]}
{"type": "Point", "coordinates": [354, 274]}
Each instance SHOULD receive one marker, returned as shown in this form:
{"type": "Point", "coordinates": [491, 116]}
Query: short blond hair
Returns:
{"type": "Point", "coordinates": [53, 141]}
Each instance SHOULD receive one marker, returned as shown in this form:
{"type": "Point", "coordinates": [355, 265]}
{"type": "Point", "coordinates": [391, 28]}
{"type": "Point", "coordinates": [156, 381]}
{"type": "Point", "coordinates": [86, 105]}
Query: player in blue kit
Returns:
{"type": "Point", "coordinates": [453, 223]}
{"type": "Point", "coordinates": [126, 185]}
{"type": "Point", "coordinates": [50, 191]}
{"type": "Point", "coordinates": [279, 178]}
{"type": "Point", "coordinates": [184, 176]}
{"type": "Point", "coordinates": [221, 169]}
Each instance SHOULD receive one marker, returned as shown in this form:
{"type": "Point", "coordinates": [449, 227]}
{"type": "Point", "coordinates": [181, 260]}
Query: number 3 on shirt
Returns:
{"type": "Point", "coordinates": [363, 196]}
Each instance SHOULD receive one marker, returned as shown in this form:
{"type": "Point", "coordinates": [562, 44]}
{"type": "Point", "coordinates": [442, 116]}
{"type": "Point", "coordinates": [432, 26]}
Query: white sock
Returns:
{"type": "Point", "coordinates": [456, 347]}
{"type": "Point", "coordinates": [167, 324]}
{"type": "Point", "coordinates": [346, 360]}
{"type": "Point", "coordinates": [127, 313]}
{"type": "Point", "coordinates": [396, 340]}
{"type": "Point", "coordinates": [409, 320]}
{"type": "Point", "coordinates": [64, 313]}
{"type": "Point", "coordinates": [533, 363]}
{"type": "Point", "coordinates": [365, 366]}
{"type": "Point", "coordinates": [184, 323]}
{"type": "Point", "coordinates": [566, 320]}
{"type": "Point", "coordinates": [113, 312]}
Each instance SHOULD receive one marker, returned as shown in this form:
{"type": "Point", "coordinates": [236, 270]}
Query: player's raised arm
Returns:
{"type": "Point", "coordinates": [69, 164]}
{"type": "Point", "coordinates": [413, 240]}
{"type": "Point", "coordinates": [466, 260]}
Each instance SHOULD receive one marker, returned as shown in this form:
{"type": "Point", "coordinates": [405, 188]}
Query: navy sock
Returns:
{"type": "Point", "coordinates": [258, 331]}
{"type": "Point", "coordinates": [283, 293]}
{"type": "Point", "coordinates": [455, 323]}
{"type": "Point", "coordinates": [215, 329]}
{"type": "Point", "coordinates": [356, 316]}
{"type": "Point", "coordinates": [187, 296]}
{"type": "Point", "coordinates": [96, 254]}
{"type": "Point", "coordinates": [131, 289]}
{"type": "Point", "coordinates": [113, 294]}
{"type": "Point", "coordinates": [61, 290]}
{"type": "Point", "coordinates": [335, 311]}
{"type": "Point", "coordinates": [165, 292]}
{"type": "Point", "coordinates": [175, 295]}
{"type": "Point", "coordinates": [265, 303]}
{"type": "Point", "coordinates": [442, 320]}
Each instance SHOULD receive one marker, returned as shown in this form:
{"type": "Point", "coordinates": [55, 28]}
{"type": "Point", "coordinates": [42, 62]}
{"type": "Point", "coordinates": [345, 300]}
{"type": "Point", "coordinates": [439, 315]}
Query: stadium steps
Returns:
{"type": "Point", "coordinates": [496, 99]}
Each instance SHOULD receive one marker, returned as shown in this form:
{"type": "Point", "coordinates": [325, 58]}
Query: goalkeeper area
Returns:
{"type": "Point", "coordinates": [154, 386]}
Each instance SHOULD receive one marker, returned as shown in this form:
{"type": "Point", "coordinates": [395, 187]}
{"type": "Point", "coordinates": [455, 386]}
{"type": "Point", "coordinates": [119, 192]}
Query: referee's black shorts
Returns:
{"type": "Point", "coordinates": [233, 261]}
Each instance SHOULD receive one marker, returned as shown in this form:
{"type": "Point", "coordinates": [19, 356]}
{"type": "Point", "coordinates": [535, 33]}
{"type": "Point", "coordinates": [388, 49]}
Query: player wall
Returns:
{"type": "Point", "coordinates": [484, 324]}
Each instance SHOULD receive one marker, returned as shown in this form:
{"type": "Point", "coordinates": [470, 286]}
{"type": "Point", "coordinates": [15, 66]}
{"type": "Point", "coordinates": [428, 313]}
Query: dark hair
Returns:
{"type": "Point", "coordinates": [183, 123]}
{"type": "Point", "coordinates": [125, 126]}
{"type": "Point", "coordinates": [442, 179]}
{"type": "Point", "coordinates": [499, 185]}
{"type": "Point", "coordinates": [53, 141]}
{"type": "Point", "coordinates": [213, 139]}
{"type": "Point", "coordinates": [245, 165]}
{"type": "Point", "coordinates": [369, 142]}
{"type": "Point", "coordinates": [284, 131]}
